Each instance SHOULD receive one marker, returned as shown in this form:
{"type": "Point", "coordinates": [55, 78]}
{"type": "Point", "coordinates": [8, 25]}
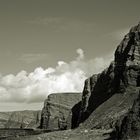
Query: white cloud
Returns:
{"type": "Point", "coordinates": [65, 77]}
{"type": "Point", "coordinates": [80, 52]}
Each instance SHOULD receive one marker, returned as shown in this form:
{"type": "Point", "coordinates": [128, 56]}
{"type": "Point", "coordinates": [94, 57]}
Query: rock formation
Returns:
{"type": "Point", "coordinates": [4, 117]}
{"type": "Point", "coordinates": [129, 126]}
{"type": "Point", "coordinates": [57, 113]}
{"type": "Point", "coordinates": [110, 94]}
{"type": "Point", "coordinates": [20, 119]}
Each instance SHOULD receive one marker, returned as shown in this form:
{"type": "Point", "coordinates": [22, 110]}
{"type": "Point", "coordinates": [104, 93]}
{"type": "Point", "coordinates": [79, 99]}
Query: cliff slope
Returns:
{"type": "Point", "coordinates": [57, 113]}
{"type": "Point", "coordinates": [110, 94]}
{"type": "Point", "coordinates": [129, 126]}
{"type": "Point", "coordinates": [20, 119]}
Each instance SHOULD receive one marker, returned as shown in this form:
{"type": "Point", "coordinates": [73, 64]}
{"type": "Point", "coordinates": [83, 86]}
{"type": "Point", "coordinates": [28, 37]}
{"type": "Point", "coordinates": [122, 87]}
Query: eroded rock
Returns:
{"type": "Point", "coordinates": [118, 83]}
{"type": "Point", "coordinates": [57, 111]}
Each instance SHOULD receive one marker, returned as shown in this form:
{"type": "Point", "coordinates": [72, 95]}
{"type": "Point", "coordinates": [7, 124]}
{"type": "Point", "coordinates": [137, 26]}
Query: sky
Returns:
{"type": "Point", "coordinates": [51, 46]}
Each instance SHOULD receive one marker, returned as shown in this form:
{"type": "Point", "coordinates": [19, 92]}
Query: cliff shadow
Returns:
{"type": "Point", "coordinates": [100, 93]}
{"type": "Point", "coordinates": [75, 115]}
{"type": "Point", "coordinates": [108, 83]}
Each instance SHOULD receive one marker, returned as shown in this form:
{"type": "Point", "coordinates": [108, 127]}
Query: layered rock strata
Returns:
{"type": "Point", "coordinates": [112, 92]}
{"type": "Point", "coordinates": [57, 111]}
{"type": "Point", "coordinates": [20, 119]}
{"type": "Point", "coordinates": [129, 126]}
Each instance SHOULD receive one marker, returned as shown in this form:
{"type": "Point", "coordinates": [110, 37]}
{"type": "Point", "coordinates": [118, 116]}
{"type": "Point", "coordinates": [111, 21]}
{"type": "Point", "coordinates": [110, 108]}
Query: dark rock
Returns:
{"type": "Point", "coordinates": [75, 115]}
{"type": "Point", "coordinates": [115, 86]}
{"type": "Point", "coordinates": [129, 126]}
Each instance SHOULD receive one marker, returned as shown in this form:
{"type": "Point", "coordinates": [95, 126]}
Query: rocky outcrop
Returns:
{"type": "Point", "coordinates": [129, 126]}
{"type": "Point", "coordinates": [20, 119]}
{"type": "Point", "coordinates": [4, 117]}
{"type": "Point", "coordinates": [110, 94]}
{"type": "Point", "coordinates": [57, 111]}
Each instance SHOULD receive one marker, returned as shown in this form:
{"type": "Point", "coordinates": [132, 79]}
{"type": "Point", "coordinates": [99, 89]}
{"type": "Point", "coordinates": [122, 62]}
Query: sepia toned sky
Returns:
{"type": "Point", "coordinates": [58, 38]}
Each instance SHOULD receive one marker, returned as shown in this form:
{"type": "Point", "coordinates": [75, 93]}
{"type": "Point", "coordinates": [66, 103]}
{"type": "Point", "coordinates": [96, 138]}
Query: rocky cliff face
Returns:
{"type": "Point", "coordinates": [4, 117]}
{"type": "Point", "coordinates": [20, 119]}
{"type": "Point", "coordinates": [129, 126]}
{"type": "Point", "coordinates": [110, 94]}
{"type": "Point", "coordinates": [57, 113]}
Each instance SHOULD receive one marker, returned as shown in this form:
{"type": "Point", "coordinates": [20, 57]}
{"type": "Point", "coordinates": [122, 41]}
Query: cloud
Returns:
{"type": "Point", "coordinates": [45, 20]}
{"type": "Point", "coordinates": [30, 58]}
{"type": "Point", "coordinates": [61, 24]}
{"type": "Point", "coordinates": [76, 26]}
{"type": "Point", "coordinates": [80, 52]}
{"type": "Point", "coordinates": [34, 87]}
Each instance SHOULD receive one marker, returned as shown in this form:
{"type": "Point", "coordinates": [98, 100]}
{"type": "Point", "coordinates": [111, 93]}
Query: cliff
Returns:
{"type": "Point", "coordinates": [20, 119]}
{"type": "Point", "coordinates": [57, 113]}
{"type": "Point", "coordinates": [129, 126]}
{"type": "Point", "coordinates": [4, 117]}
{"type": "Point", "coordinates": [109, 95]}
